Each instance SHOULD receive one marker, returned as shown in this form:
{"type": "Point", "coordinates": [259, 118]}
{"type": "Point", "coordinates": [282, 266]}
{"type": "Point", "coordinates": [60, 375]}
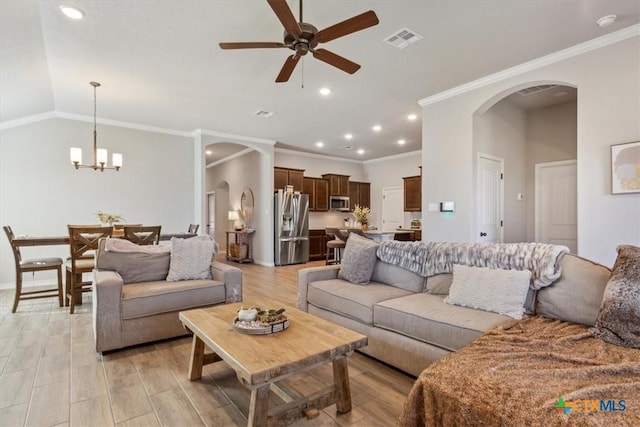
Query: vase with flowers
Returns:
{"type": "Point", "coordinates": [109, 219]}
{"type": "Point", "coordinates": [362, 214]}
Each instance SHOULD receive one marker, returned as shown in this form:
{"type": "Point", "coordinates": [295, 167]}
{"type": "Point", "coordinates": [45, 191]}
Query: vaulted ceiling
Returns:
{"type": "Point", "coordinates": [160, 65]}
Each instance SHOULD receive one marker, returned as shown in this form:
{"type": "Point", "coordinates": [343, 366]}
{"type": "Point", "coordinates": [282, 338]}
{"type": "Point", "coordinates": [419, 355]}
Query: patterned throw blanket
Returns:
{"type": "Point", "coordinates": [430, 258]}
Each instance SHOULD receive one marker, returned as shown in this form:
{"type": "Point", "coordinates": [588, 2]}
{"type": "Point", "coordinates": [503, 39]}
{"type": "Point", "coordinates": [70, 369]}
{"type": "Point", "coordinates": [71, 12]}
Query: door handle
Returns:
{"type": "Point", "coordinates": [483, 234]}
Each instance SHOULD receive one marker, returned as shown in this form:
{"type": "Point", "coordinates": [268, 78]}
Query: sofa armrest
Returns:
{"type": "Point", "coordinates": [232, 279]}
{"type": "Point", "coordinates": [310, 275]}
{"type": "Point", "coordinates": [107, 313]}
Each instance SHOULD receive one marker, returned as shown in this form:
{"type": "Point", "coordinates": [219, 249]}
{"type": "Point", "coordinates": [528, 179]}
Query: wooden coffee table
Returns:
{"type": "Point", "coordinates": [262, 360]}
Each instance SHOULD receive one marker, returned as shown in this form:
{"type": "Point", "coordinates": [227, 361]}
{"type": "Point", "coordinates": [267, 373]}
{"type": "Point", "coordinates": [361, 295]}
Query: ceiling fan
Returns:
{"type": "Point", "coordinates": [302, 38]}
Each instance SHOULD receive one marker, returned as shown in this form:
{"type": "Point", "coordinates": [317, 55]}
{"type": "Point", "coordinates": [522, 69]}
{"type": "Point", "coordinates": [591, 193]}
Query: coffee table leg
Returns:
{"type": "Point", "coordinates": [341, 381]}
{"type": "Point", "coordinates": [259, 407]}
{"type": "Point", "coordinates": [197, 358]}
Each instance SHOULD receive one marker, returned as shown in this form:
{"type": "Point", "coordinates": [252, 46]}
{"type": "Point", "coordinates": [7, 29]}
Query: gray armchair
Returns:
{"type": "Point", "coordinates": [133, 303]}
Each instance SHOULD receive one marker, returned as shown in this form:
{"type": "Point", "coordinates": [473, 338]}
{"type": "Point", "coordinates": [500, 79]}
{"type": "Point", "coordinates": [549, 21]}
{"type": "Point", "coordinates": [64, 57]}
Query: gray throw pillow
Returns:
{"type": "Point", "coordinates": [191, 258]}
{"type": "Point", "coordinates": [358, 260]}
{"type": "Point", "coordinates": [618, 320]}
{"type": "Point", "coordinates": [135, 267]}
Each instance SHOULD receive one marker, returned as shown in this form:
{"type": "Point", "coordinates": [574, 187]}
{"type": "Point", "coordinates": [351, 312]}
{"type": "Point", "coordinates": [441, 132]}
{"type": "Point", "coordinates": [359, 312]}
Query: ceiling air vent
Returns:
{"type": "Point", "coordinates": [534, 89]}
{"type": "Point", "coordinates": [263, 114]}
{"type": "Point", "coordinates": [403, 38]}
{"type": "Point", "coordinates": [346, 147]}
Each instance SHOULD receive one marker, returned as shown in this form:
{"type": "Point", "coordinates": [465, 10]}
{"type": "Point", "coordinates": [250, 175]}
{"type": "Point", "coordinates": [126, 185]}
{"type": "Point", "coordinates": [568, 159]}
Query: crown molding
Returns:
{"type": "Point", "coordinates": [552, 58]}
{"type": "Point", "coordinates": [8, 124]}
{"type": "Point", "coordinates": [121, 124]}
{"type": "Point", "coordinates": [231, 157]}
{"type": "Point", "coordinates": [315, 155]}
{"type": "Point", "coordinates": [394, 157]}
{"type": "Point", "coordinates": [230, 137]}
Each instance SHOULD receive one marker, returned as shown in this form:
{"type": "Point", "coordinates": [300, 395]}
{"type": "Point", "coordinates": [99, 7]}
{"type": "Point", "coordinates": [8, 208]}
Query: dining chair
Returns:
{"type": "Point", "coordinates": [193, 228]}
{"type": "Point", "coordinates": [337, 242]}
{"type": "Point", "coordinates": [143, 235]}
{"type": "Point", "coordinates": [83, 242]}
{"type": "Point", "coordinates": [31, 266]}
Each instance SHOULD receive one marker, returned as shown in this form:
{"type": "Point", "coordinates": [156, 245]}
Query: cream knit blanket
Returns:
{"type": "Point", "coordinates": [430, 258]}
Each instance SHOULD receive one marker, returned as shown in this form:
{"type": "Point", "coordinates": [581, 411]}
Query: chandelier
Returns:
{"type": "Point", "coordinates": [100, 155]}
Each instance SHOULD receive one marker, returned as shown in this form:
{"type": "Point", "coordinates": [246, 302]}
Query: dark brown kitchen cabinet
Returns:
{"type": "Point", "coordinates": [359, 194]}
{"type": "Point", "coordinates": [317, 245]}
{"type": "Point", "coordinates": [318, 191]}
{"type": "Point", "coordinates": [413, 193]}
{"type": "Point", "coordinates": [286, 176]}
{"type": "Point", "coordinates": [338, 184]}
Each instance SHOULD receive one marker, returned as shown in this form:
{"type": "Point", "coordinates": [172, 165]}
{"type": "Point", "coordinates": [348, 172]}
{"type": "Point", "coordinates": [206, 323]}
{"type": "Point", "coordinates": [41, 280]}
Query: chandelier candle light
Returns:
{"type": "Point", "coordinates": [99, 154]}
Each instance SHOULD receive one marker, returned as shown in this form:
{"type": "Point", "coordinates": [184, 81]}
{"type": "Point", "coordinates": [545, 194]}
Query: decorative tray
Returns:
{"type": "Point", "coordinates": [255, 327]}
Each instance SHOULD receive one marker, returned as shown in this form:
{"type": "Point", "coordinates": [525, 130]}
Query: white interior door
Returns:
{"type": "Point", "coordinates": [490, 190]}
{"type": "Point", "coordinates": [392, 208]}
{"type": "Point", "coordinates": [556, 211]}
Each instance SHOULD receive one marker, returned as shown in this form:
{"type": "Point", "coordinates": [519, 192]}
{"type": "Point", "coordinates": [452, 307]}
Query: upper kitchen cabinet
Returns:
{"type": "Point", "coordinates": [318, 191]}
{"type": "Point", "coordinates": [359, 194]}
{"type": "Point", "coordinates": [286, 176]}
{"type": "Point", "coordinates": [413, 193]}
{"type": "Point", "coordinates": [338, 184]}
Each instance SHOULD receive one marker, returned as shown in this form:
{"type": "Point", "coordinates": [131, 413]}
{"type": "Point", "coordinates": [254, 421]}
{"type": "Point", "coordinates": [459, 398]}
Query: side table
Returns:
{"type": "Point", "coordinates": [240, 245]}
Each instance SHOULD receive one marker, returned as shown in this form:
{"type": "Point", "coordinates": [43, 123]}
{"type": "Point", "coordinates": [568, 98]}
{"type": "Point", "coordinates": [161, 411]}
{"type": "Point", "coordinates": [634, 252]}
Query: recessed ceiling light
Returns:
{"type": "Point", "coordinates": [324, 91]}
{"type": "Point", "coordinates": [360, 151]}
{"type": "Point", "coordinates": [319, 144]}
{"type": "Point", "coordinates": [208, 152]}
{"type": "Point", "coordinates": [401, 142]}
{"type": "Point", "coordinates": [71, 11]}
{"type": "Point", "coordinates": [377, 128]}
{"type": "Point", "coordinates": [412, 117]}
{"type": "Point", "coordinates": [605, 21]}
{"type": "Point", "coordinates": [348, 136]}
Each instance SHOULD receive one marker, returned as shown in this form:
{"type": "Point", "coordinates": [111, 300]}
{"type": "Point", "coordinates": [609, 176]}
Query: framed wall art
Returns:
{"type": "Point", "coordinates": [625, 168]}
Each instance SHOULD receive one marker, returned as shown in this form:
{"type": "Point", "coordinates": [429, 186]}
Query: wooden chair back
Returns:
{"type": "Point", "coordinates": [143, 235]}
{"type": "Point", "coordinates": [193, 228]}
{"type": "Point", "coordinates": [83, 240]}
{"type": "Point", "coordinates": [16, 249]}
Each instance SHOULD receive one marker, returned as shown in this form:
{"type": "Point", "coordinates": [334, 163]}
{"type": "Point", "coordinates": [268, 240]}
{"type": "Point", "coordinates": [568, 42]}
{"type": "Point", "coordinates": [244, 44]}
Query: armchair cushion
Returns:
{"type": "Point", "coordinates": [191, 258]}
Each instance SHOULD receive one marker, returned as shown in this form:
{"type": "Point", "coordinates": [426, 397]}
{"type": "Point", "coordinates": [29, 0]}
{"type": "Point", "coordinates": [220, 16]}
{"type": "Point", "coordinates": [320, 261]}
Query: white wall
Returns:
{"type": "Point", "coordinates": [501, 132]}
{"type": "Point", "coordinates": [608, 85]}
{"type": "Point", "coordinates": [551, 136]}
{"type": "Point", "coordinates": [388, 172]}
{"type": "Point", "coordinates": [40, 191]}
{"type": "Point", "coordinates": [239, 173]}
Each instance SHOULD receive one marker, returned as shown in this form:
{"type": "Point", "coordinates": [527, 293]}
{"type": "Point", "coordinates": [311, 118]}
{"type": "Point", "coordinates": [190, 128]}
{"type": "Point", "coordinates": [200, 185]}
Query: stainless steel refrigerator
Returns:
{"type": "Point", "coordinates": [291, 213]}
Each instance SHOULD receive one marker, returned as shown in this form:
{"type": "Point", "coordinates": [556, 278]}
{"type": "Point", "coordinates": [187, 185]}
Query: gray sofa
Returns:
{"type": "Point", "coordinates": [408, 324]}
{"type": "Point", "coordinates": [133, 303]}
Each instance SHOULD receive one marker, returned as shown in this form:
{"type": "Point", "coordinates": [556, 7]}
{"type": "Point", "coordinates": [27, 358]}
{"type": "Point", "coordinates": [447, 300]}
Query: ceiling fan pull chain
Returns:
{"type": "Point", "coordinates": [302, 65]}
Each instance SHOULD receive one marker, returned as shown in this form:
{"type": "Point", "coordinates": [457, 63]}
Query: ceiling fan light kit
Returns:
{"type": "Point", "coordinates": [302, 38]}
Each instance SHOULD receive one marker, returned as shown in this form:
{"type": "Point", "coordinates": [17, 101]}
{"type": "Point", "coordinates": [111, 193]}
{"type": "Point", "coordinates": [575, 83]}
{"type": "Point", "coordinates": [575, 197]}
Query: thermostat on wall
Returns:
{"type": "Point", "coordinates": [447, 206]}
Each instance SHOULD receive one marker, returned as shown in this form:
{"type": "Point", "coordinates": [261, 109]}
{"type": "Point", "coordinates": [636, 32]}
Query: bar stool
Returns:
{"type": "Point", "coordinates": [33, 265]}
{"type": "Point", "coordinates": [336, 243]}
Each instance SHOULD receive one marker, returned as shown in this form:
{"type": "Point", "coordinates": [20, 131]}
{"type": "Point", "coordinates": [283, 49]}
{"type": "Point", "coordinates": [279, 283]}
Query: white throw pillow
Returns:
{"type": "Point", "coordinates": [500, 291]}
{"type": "Point", "coordinates": [191, 258]}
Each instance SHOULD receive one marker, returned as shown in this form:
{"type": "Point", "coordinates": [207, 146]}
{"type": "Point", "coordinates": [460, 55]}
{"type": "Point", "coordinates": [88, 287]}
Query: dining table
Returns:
{"type": "Point", "coordinates": [64, 240]}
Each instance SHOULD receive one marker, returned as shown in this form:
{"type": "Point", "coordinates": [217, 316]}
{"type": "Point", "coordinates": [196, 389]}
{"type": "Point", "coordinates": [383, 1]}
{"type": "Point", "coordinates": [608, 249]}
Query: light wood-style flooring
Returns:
{"type": "Point", "coordinates": [52, 376]}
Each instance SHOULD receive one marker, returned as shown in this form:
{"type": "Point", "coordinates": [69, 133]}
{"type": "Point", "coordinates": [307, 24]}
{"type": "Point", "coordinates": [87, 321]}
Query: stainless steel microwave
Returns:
{"type": "Point", "coordinates": [339, 203]}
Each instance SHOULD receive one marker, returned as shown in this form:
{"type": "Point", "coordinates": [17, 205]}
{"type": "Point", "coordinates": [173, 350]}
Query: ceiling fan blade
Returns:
{"type": "Point", "coordinates": [287, 69]}
{"type": "Point", "coordinates": [336, 60]}
{"type": "Point", "coordinates": [251, 45]}
{"type": "Point", "coordinates": [351, 25]}
{"type": "Point", "coordinates": [284, 14]}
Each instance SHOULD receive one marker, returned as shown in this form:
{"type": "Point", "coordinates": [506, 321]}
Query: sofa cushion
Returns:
{"type": "Point", "coordinates": [191, 258]}
{"type": "Point", "coordinates": [490, 289]}
{"type": "Point", "coordinates": [439, 284]}
{"type": "Point", "coordinates": [399, 277]}
{"type": "Point", "coordinates": [577, 295]}
{"type": "Point", "coordinates": [358, 260]}
{"type": "Point", "coordinates": [618, 321]}
{"type": "Point", "coordinates": [135, 267]}
{"type": "Point", "coordinates": [349, 300]}
{"type": "Point", "coordinates": [146, 299]}
{"type": "Point", "coordinates": [427, 318]}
